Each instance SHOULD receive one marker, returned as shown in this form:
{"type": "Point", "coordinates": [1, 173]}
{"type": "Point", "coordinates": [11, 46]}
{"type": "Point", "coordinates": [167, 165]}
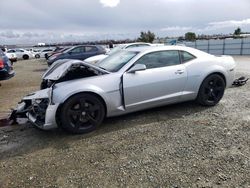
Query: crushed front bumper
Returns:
{"type": "Point", "coordinates": [39, 110]}
{"type": "Point", "coordinates": [49, 122]}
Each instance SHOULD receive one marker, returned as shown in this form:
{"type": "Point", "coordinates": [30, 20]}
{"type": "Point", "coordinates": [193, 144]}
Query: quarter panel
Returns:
{"type": "Point", "coordinates": [197, 71]}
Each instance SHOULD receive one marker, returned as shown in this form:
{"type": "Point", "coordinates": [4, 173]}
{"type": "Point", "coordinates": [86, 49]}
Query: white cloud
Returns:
{"type": "Point", "coordinates": [209, 28]}
{"type": "Point", "coordinates": [227, 24]}
{"type": "Point", "coordinates": [176, 28]}
{"type": "Point", "coordinates": [109, 3]}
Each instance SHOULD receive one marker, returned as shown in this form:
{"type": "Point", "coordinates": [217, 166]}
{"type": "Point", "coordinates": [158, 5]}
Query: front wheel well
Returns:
{"type": "Point", "coordinates": [61, 105]}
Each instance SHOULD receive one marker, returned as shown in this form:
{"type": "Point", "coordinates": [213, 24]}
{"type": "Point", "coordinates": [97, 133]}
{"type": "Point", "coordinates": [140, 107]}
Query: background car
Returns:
{"type": "Point", "coordinates": [6, 69]}
{"type": "Point", "coordinates": [98, 58]}
{"type": "Point", "coordinates": [80, 95]}
{"type": "Point", "coordinates": [11, 56]}
{"type": "Point", "coordinates": [78, 52]}
{"type": "Point", "coordinates": [56, 51]}
{"type": "Point", "coordinates": [44, 53]}
{"type": "Point", "coordinates": [21, 53]}
{"type": "Point", "coordinates": [35, 52]}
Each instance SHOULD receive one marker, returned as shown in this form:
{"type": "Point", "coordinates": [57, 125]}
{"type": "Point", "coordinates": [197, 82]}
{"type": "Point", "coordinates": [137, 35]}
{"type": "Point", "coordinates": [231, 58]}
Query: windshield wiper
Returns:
{"type": "Point", "coordinates": [103, 68]}
{"type": "Point", "coordinates": [106, 70]}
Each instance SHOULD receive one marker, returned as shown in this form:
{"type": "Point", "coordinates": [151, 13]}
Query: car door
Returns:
{"type": "Point", "coordinates": [76, 53]}
{"type": "Point", "coordinates": [19, 53]}
{"type": "Point", "coordinates": [162, 82]}
{"type": "Point", "coordinates": [89, 51]}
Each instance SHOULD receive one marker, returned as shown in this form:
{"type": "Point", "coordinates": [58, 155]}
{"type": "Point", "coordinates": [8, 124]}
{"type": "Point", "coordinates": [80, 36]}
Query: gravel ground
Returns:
{"type": "Point", "coordinates": [182, 145]}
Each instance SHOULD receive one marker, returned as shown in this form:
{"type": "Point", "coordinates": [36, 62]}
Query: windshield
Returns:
{"type": "Point", "coordinates": [116, 61]}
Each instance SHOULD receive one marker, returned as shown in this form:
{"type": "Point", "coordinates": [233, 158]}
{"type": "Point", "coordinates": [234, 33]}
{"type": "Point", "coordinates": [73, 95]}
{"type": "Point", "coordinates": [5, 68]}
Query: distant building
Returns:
{"type": "Point", "coordinates": [41, 44]}
{"type": "Point", "coordinates": [247, 35]}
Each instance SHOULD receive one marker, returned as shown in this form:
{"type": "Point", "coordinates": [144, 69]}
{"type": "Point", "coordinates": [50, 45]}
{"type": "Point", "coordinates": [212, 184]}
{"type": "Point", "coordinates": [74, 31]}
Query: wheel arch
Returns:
{"type": "Point", "coordinates": [209, 74]}
{"type": "Point", "coordinates": [83, 92]}
{"type": "Point", "coordinates": [218, 73]}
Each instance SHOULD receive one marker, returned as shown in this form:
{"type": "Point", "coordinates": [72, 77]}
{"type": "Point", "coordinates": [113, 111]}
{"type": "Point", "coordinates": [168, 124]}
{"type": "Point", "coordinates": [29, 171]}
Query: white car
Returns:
{"type": "Point", "coordinates": [11, 56]}
{"type": "Point", "coordinates": [45, 52]}
{"type": "Point", "coordinates": [97, 58]}
{"type": "Point", "coordinates": [35, 52]}
{"type": "Point", "coordinates": [77, 96]}
{"type": "Point", "coordinates": [21, 53]}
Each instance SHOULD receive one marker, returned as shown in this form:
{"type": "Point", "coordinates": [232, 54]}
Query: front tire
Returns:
{"type": "Point", "coordinates": [82, 113]}
{"type": "Point", "coordinates": [37, 56]}
{"type": "Point", "coordinates": [25, 57]}
{"type": "Point", "coordinates": [211, 90]}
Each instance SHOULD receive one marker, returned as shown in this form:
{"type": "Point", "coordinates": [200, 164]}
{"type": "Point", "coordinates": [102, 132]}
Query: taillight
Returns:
{"type": "Point", "coordinates": [1, 64]}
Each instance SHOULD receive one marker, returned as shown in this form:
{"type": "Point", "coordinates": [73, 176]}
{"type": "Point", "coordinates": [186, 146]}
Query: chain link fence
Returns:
{"type": "Point", "coordinates": [222, 47]}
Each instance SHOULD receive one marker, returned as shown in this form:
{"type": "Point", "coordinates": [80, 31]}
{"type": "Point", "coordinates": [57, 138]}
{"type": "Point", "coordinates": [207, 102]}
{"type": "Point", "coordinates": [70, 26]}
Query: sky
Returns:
{"type": "Point", "coordinates": [33, 21]}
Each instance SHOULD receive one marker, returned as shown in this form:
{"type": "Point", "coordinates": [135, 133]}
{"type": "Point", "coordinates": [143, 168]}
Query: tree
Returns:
{"type": "Point", "coordinates": [147, 37]}
{"type": "Point", "coordinates": [237, 31]}
{"type": "Point", "coordinates": [190, 36]}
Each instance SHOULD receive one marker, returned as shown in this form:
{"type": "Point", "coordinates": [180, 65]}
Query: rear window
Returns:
{"type": "Point", "coordinates": [90, 49]}
{"type": "Point", "coordinates": [185, 56]}
{"type": "Point", "coordinates": [11, 51]}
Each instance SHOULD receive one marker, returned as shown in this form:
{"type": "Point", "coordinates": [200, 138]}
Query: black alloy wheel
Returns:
{"type": "Point", "coordinates": [82, 113]}
{"type": "Point", "coordinates": [211, 90]}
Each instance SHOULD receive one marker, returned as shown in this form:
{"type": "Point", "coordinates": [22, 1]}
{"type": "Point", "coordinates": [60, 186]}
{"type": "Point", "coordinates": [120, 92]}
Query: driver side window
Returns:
{"type": "Point", "coordinates": [160, 59]}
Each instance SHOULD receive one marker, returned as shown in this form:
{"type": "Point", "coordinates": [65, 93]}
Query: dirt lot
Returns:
{"type": "Point", "coordinates": [183, 145]}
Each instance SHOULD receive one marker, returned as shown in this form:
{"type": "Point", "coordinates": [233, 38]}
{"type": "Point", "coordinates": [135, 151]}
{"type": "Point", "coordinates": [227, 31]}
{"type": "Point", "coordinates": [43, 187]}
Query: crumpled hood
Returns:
{"type": "Point", "coordinates": [61, 67]}
{"type": "Point", "coordinates": [45, 93]}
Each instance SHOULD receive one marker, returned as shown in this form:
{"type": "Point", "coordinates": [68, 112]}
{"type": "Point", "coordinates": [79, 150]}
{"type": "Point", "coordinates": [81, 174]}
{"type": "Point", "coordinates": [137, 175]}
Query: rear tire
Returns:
{"type": "Point", "coordinates": [25, 57]}
{"type": "Point", "coordinates": [37, 56]}
{"type": "Point", "coordinates": [82, 113]}
{"type": "Point", "coordinates": [211, 90]}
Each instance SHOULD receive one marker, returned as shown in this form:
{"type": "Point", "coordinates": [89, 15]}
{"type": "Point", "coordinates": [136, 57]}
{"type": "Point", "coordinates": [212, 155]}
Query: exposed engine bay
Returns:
{"type": "Point", "coordinates": [77, 70]}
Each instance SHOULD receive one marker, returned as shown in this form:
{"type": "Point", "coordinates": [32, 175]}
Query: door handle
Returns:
{"type": "Point", "coordinates": [179, 72]}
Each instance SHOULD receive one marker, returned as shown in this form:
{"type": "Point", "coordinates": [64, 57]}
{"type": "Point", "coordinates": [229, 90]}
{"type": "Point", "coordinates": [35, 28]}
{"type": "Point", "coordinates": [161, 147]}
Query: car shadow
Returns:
{"type": "Point", "coordinates": [23, 139]}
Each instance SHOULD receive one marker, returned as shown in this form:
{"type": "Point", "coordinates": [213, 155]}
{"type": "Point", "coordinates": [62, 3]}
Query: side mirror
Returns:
{"type": "Point", "coordinates": [137, 67]}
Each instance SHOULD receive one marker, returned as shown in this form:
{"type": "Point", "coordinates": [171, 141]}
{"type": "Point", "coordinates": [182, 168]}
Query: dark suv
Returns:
{"type": "Point", "coordinates": [78, 52]}
{"type": "Point", "coordinates": [6, 69]}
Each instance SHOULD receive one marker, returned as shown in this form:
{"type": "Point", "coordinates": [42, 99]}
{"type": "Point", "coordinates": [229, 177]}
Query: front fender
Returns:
{"type": "Point", "coordinates": [108, 90]}
{"type": "Point", "coordinates": [61, 94]}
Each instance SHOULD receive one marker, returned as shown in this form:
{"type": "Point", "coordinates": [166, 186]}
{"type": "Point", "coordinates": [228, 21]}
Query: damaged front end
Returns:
{"type": "Point", "coordinates": [38, 107]}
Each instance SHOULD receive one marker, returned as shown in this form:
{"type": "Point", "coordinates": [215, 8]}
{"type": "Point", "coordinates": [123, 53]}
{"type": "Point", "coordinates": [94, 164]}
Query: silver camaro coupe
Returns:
{"type": "Point", "coordinates": [77, 96]}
